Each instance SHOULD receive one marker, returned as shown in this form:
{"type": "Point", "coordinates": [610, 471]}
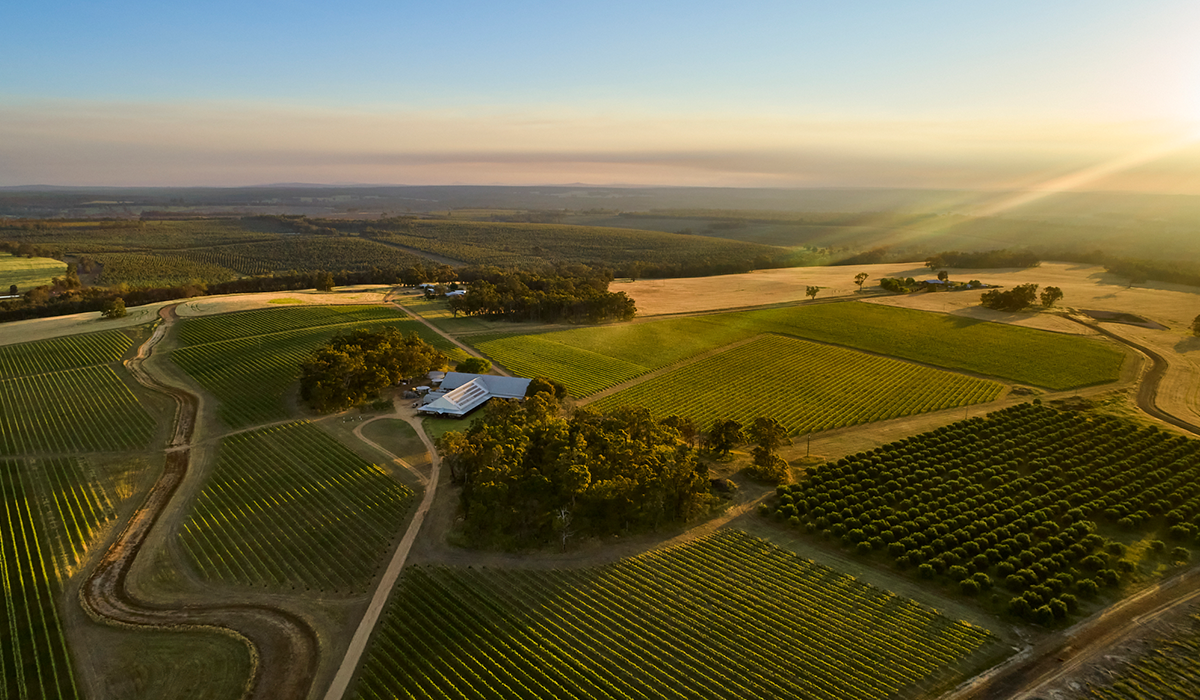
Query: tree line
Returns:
{"type": "Point", "coordinates": [530, 296]}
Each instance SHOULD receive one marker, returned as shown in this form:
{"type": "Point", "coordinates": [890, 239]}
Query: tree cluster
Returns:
{"type": "Point", "coordinates": [1016, 299]}
{"type": "Point", "coordinates": [530, 476]}
{"type": "Point", "coordinates": [354, 367]}
{"type": "Point", "coordinates": [898, 285]}
{"type": "Point", "coordinates": [551, 298]}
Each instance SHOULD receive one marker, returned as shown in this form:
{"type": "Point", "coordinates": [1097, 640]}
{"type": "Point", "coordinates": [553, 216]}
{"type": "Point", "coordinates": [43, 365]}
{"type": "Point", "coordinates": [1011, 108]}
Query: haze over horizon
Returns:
{"type": "Point", "coordinates": [1065, 95]}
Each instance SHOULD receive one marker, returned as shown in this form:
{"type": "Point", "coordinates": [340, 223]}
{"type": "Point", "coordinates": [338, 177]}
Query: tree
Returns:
{"type": "Point", "coordinates": [114, 308]}
{"type": "Point", "coordinates": [812, 291]}
{"type": "Point", "coordinates": [1196, 326]}
{"type": "Point", "coordinates": [474, 365]}
{"type": "Point", "coordinates": [1018, 298]}
{"type": "Point", "coordinates": [724, 435]}
{"type": "Point", "coordinates": [354, 367]}
{"type": "Point", "coordinates": [324, 282]}
{"type": "Point", "coordinates": [538, 385]}
{"type": "Point", "coordinates": [1051, 295]}
{"type": "Point", "coordinates": [769, 433]}
{"type": "Point", "coordinates": [860, 278]}
{"type": "Point", "coordinates": [943, 275]}
{"type": "Point", "coordinates": [12, 290]}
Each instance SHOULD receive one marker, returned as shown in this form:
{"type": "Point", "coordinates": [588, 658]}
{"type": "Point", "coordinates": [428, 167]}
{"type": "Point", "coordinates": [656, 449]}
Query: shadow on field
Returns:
{"type": "Point", "coordinates": [1189, 344]}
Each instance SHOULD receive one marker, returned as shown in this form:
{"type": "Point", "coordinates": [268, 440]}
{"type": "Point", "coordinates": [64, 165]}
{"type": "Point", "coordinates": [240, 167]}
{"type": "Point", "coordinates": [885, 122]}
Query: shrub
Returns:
{"type": "Point", "coordinates": [969, 586]}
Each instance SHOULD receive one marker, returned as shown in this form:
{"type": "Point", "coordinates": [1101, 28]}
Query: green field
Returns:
{"type": "Point", "coordinates": [50, 514]}
{"type": "Point", "coordinates": [211, 329]}
{"type": "Point", "coordinates": [807, 386]}
{"type": "Point", "coordinates": [592, 359]}
{"type": "Point", "coordinates": [251, 364]}
{"type": "Point", "coordinates": [399, 438]}
{"type": "Point", "coordinates": [27, 273]}
{"type": "Point", "coordinates": [727, 616]}
{"type": "Point", "coordinates": [289, 507]}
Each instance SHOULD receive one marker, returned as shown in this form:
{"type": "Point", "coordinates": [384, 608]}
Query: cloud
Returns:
{"type": "Point", "coordinates": [220, 144]}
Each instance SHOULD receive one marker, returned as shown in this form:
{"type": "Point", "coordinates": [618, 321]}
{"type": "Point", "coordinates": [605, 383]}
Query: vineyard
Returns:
{"type": "Point", "coordinates": [581, 371]}
{"type": "Point", "coordinates": [516, 244]}
{"type": "Point", "coordinates": [1013, 499]}
{"type": "Point", "coordinates": [808, 387]}
{"type": "Point", "coordinates": [307, 253]}
{"type": "Point", "coordinates": [619, 352]}
{"type": "Point", "coordinates": [289, 507]}
{"type": "Point", "coordinates": [211, 329]}
{"type": "Point", "coordinates": [726, 616]}
{"type": "Point", "coordinates": [37, 550]}
{"type": "Point", "coordinates": [249, 364]}
{"type": "Point", "coordinates": [141, 270]}
{"type": "Point", "coordinates": [71, 352]}
{"type": "Point", "coordinates": [79, 410]}
{"type": "Point", "coordinates": [1166, 672]}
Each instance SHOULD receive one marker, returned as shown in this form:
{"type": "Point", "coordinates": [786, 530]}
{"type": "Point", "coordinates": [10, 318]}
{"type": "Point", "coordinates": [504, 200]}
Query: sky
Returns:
{"type": "Point", "coordinates": [1019, 95]}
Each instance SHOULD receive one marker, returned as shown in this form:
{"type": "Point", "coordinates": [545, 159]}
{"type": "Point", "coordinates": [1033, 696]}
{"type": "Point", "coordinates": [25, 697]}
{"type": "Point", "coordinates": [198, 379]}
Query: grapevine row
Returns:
{"type": "Point", "coordinates": [290, 507]}
{"type": "Point", "coordinates": [806, 386]}
{"type": "Point", "coordinates": [79, 410]}
{"type": "Point", "coordinates": [72, 352]}
{"type": "Point", "coordinates": [727, 616]}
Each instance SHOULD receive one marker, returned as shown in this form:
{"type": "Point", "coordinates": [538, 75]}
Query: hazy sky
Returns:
{"type": "Point", "coordinates": [1087, 94]}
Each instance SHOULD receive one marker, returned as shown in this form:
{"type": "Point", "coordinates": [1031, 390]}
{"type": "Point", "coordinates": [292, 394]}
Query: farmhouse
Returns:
{"type": "Point", "coordinates": [464, 393]}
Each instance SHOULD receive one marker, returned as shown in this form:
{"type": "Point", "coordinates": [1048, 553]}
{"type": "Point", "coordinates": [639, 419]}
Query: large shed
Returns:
{"type": "Point", "coordinates": [465, 392]}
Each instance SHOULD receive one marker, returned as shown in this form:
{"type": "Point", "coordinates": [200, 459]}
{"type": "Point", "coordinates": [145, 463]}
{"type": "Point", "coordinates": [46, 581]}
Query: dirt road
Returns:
{"type": "Point", "coordinates": [283, 647]}
{"type": "Point", "coordinates": [358, 644]}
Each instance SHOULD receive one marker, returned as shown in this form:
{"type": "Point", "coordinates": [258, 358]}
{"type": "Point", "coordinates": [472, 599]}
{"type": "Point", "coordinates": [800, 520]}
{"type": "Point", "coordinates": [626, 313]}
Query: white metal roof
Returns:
{"type": "Point", "coordinates": [460, 401]}
{"type": "Point", "coordinates": [504, 387]}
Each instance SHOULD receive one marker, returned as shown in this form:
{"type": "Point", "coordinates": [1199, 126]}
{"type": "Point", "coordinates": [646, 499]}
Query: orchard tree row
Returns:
{"type": "Point", "coordinates": [1014, 499]}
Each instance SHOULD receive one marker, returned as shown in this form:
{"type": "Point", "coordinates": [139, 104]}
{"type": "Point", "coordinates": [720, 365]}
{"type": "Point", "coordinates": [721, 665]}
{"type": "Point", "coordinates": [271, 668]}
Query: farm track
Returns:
{"type": "Point", "coordinates": [283, 647]}
{"type": "Point", "coordinates": [464, 347]}
{"type": "Point", "coordinates": [1147, 394]}
{"type": "Point", "coordinates": [383, 590]}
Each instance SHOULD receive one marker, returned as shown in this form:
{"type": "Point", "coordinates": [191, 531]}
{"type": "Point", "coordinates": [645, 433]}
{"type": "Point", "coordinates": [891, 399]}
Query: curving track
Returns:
{"type": "Point", "coordinates": [283, 647]}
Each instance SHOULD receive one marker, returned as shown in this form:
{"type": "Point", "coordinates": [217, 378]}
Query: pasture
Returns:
{"type": "Point", "coordinates": [726, 616]}
{"type": "Point", "coordinates": [290, 508]}
{"type": "Point", "coordinates": [808, 387]}
{"type": "Point", "coordinates": [27, 273]}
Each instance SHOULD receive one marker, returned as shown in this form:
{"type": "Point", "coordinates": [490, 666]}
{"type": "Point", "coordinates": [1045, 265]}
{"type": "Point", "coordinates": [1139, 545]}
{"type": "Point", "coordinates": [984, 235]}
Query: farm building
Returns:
{"type": "Point", "coordinates": [466, 392]}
